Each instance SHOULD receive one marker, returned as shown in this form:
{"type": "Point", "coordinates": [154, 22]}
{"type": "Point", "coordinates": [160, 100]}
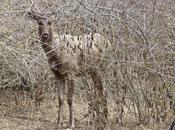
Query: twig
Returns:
{"type": "Point", "coordinates": [33, 4]}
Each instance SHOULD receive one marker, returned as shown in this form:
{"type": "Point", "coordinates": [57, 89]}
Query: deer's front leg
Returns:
{"type": "Point", "coordinates": [69, 100]}
{"type": "Point", "coordinates": [61, 89]}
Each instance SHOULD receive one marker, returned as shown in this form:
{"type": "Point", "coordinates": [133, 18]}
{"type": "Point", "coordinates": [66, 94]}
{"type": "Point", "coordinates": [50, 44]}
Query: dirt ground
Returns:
{"type": "Point", "coordinates": [19, 112]}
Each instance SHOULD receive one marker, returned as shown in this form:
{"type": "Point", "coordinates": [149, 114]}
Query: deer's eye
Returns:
{"type": "Point", "coordinates": [40, 22]}
{"type": "Point", "coordinates": [49, 23]}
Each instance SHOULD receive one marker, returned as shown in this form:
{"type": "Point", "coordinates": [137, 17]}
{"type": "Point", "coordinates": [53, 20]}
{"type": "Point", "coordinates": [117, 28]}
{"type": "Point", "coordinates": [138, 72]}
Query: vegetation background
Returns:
{"type": "Point", "coordinates": [141, 64]}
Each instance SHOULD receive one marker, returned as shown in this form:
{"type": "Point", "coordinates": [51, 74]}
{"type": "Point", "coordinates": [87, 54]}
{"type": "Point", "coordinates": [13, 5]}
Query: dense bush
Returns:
{"type": "Point", "coordinates": [140, 71]}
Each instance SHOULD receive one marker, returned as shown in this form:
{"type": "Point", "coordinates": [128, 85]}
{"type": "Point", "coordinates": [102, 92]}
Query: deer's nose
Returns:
{"type": "Point", "coordinates": [45, 35]}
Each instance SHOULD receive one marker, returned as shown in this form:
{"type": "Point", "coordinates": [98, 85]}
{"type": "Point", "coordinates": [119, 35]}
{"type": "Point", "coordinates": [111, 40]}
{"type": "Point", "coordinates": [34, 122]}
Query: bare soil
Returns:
{"type": "Point", "coordinates": [18, 111]}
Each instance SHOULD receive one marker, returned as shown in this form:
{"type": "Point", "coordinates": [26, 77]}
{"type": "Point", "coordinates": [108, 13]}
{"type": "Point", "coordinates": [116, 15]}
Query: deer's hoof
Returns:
{"type": "Point", "coordinates": [71, 127]}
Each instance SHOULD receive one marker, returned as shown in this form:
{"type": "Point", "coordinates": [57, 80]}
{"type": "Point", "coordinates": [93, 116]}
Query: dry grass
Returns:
{"type": "Point", "coordinates": [27, 116]}
{"type": "Point", "coordinates": [138, 73]}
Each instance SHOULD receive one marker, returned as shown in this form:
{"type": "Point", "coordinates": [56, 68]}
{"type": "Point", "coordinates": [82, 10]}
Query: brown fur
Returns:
{"type": "Point", "coordinates": [66, 57]}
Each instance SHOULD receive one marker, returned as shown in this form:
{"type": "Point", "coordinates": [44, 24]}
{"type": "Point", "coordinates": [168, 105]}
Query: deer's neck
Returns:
{"type": "Point", "coordinates": [51, 51]}
{"type": "Point", "coordinates": [47, 47]}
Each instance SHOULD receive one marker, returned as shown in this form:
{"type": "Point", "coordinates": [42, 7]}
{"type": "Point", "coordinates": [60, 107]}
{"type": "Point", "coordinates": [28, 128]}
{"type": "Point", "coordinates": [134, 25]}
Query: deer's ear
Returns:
{"type": "Point", "coordinates": [33, 15]}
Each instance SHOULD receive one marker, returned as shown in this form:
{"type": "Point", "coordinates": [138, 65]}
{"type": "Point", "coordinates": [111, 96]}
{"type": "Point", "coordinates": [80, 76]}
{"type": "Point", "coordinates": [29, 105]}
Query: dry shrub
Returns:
{"type": "Point", "coordinates": [138, 72]}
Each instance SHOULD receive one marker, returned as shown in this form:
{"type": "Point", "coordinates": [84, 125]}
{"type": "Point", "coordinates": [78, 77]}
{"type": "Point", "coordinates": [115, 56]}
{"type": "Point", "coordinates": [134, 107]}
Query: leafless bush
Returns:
{"type": "Point", "coordinates": [138, 73]}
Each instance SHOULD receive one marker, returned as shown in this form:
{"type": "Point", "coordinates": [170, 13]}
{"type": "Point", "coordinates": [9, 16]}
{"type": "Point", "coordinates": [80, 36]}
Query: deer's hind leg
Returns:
{"type": "Point", "coordinates": [61, 91]}
{"type": "Point", "coordinates": [69, 100]}
{"type": "Point", "coordinates": [99, 103]}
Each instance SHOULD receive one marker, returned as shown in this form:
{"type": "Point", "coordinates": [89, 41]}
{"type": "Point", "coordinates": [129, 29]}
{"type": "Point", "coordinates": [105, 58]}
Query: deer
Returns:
{"type": "Point", "coordinates": [66, 57]}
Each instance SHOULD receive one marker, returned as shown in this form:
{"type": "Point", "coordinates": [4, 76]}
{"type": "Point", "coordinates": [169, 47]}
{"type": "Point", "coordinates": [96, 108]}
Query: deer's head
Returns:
{"type": "Point", "coordinates": [44, 26]}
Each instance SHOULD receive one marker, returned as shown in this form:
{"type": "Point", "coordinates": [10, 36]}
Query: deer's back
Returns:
{"type": "Point", "coordinates": [78, 51]}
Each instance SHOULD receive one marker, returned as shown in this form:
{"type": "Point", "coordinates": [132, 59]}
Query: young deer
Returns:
{"type": "Point", "coordinates": [66, 57]}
